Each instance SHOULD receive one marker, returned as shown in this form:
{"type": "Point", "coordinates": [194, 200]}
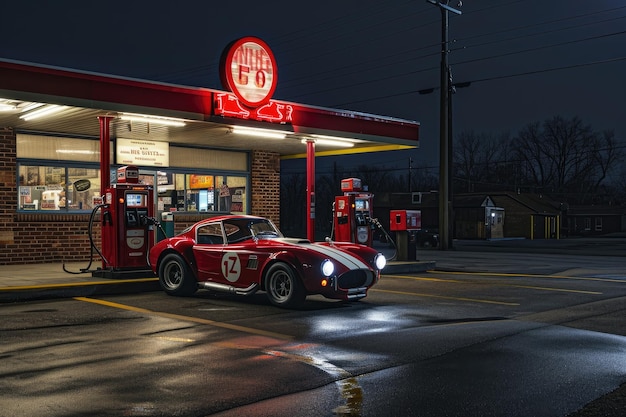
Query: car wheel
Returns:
{"type": "Point", "coordinates": [176, 277]}
{"type": "Point", "coordinates": [283, 287]}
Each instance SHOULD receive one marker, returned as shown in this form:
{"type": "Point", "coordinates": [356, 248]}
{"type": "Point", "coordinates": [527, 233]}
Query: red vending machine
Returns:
{"type": "Point", "coordinates": [353, 214]}
{"type": "Point", "coordinates": [406, 224]}
{"type": "Point", "coordinates": [127, 227]}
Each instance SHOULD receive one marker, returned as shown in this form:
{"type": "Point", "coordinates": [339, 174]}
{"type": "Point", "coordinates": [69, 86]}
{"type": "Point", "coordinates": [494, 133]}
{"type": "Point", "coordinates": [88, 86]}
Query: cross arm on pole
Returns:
{"type": "Point", "coordinates": [445, 6]}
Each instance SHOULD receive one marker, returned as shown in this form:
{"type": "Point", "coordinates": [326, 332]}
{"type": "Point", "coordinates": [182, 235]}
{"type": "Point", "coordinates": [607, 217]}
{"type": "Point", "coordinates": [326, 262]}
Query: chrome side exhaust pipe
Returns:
{"type": "Point", "coordinates": [229, 288]}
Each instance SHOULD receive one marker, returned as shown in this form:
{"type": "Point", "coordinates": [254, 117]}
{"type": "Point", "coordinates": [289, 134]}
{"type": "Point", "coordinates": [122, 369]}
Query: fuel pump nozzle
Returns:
{"type": "Point", "coordinates": [150, 222]}
{"type": "Point", "coordinates": [106, 216]}
{"type": "Point", "coordinates": [375, 223]}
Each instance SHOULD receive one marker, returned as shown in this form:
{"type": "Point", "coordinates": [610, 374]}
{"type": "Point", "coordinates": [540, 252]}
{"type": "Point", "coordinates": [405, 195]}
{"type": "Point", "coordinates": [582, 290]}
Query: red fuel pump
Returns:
{"type": "Point", "coordinates": [127, 226]}
{"type": "Point", "coordinates": [352, 220]}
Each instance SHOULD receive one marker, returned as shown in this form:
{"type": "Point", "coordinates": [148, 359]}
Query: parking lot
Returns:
{"type": "Point", "coordinates": [477, 336]}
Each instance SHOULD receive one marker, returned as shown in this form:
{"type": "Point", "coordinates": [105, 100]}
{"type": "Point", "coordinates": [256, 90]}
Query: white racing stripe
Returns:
{"type": "Point", "coordinates": [347, 260]}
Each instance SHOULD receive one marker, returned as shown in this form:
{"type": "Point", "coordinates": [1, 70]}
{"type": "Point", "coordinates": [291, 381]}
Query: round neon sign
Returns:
{"type": "Point", "coordinates": [248, 69]}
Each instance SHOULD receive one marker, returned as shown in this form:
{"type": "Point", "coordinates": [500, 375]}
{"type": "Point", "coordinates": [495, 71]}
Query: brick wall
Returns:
{"type": "Point", "coordinates": [266, 185]}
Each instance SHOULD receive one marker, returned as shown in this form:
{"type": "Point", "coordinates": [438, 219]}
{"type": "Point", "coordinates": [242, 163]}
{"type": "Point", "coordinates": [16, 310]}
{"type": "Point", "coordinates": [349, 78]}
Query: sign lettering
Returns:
{"type": "Point", "coordinates": [142, 152]}
{"type": "Point", "coordinates": [248, 69]}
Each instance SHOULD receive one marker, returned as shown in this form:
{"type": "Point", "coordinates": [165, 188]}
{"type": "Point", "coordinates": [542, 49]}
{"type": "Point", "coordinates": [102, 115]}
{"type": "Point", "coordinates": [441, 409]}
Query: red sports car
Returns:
{"type": "Point", "coordinates": [244, 254]}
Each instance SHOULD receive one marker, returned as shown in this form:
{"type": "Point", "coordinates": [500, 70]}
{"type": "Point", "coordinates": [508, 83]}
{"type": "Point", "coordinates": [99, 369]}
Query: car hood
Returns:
{"type": "Point", "coordinates": [337, 254]}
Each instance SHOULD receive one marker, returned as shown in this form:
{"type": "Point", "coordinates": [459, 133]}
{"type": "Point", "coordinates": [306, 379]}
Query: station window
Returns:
{"type": "Point", "coordinates": [201, 192]}
{"type": "Point", "coordinates": [58, 188]}
{"type": "Point", "coordinates": [232, 193]}
{"type": "Point", "coordinates": [62, 174]}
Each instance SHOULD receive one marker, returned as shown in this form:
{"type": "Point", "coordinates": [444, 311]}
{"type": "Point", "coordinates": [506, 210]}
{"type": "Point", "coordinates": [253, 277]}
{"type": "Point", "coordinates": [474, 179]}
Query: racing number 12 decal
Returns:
{"type": "Point", "coordinates": [231, 266]}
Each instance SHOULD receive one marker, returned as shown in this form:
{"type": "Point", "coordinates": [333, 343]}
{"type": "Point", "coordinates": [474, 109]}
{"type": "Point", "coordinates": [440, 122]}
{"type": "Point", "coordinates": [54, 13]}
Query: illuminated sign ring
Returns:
{"type": "Point", "coordinates": [248, 69]}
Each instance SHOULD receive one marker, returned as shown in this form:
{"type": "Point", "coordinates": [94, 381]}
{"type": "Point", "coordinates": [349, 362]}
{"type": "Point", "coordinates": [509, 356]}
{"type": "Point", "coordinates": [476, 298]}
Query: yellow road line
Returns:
{"type": "Point", "coordinates": [76, 284]}
{"type": "Point", "coordinates": [422, 278]}
{"type": "Point", "coordinates": [500, 274]}
{"type": "Point", "coordinates": [454, 281]}
{"type": "Point", "coordinates": [473, 300]}
{"type": "Point", "coordinates": [551, 289]}
{"type": "Point", "coordinates": [243, 329]}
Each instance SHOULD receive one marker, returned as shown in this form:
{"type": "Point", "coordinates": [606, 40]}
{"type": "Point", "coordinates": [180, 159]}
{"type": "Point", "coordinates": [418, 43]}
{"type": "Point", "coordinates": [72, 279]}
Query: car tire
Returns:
{"type": "Point", "coordinates": [283, 286]}
{"type": "Point", "coordinates": [175, 276]}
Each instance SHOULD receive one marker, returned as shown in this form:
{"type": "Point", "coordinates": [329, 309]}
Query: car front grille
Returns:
{"type": "Point", "coordinates": [353, 279]}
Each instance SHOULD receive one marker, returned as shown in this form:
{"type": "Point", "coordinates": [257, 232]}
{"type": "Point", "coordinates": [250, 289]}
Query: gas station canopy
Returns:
{"type": "Point", "coordinates": [140, 109]}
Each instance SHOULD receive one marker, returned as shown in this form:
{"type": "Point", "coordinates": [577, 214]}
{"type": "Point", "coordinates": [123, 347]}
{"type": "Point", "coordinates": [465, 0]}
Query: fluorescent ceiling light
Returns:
{"type": "Point", "coordinates": [333, 141]}
{"type": "Point", "coordinates": [31, 106]}
{"type": "Point", "coordinates": [7, 107]}
{"type": "Point", "coordinates": [329, 142]}
{"type": "Point", "coordinates": [336, 138]}
{"type": "Point", "coordinates": [160, 120]}
{"type": "Point", "coordinates": [262, 133]}
{"type": "Point", "coordinates": [42, 111]}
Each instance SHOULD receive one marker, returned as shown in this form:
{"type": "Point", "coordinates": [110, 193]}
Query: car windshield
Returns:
{"type": "Point", "coordinates": [238, 230]}
{"type": "Point", "coordinates": [264, 229]}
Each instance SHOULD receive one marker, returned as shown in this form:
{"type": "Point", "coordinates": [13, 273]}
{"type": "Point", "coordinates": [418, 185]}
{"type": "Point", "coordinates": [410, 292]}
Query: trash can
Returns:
{"type": "Point", "coordinates": [406, 245]}
{"type": "Point", "coordinates": [167, 221]}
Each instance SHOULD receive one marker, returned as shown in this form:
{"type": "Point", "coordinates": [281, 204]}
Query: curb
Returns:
{"type": "Point", "coordinates": [83, 289]}
{"type": "Point", "coordinates": [408, 267]}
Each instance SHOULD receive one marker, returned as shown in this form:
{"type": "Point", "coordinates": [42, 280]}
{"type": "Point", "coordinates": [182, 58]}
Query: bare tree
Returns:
{"type": "Point", "coordinates": [609, 155]}
{"type": "Point", "coordinates": [475, 158]}
{"type": "Point", "coordinates": [565, 157]}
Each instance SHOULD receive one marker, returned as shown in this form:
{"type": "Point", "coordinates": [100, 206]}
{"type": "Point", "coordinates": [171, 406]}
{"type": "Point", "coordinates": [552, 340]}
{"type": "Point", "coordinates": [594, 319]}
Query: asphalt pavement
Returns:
{"type": "Point", "coordinates": [590, 257]}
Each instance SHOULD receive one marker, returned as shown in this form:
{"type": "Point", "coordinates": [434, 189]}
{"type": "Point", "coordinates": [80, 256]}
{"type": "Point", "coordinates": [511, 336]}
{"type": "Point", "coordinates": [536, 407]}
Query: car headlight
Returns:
{"type": "Point", "coordinates": [380, 261]}
{"type": "Point", "coordinates": [327, 268]}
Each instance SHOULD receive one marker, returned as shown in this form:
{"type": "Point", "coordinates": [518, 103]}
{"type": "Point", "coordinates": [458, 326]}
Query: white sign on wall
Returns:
{"type": "Point", "coordinates": [142, 152]}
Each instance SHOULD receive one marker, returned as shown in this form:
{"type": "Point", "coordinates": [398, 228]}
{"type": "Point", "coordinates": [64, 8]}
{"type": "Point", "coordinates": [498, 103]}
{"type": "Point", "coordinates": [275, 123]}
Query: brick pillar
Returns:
{"type": "Point", "coordinates": [8, 188]}
{"type": "Point", "coordinates": [266, 185]}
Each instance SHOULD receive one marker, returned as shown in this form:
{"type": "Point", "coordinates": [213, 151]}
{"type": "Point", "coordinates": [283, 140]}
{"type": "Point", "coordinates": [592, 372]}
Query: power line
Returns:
{"type": "Point", "coordinates": [585, 64]}
{"type": "Point", "coordinates": [460, 63]}
{"type": "Point", "coordinates": [548, 22]}
{"type": "Point", "coordinates": [498, 77]}
{"type": "Point", "coordinates": [542, 47]}
{"type": "Point", "coordinates": [345, 86]}
{"type": "Point", "coordinates": [577, 26]}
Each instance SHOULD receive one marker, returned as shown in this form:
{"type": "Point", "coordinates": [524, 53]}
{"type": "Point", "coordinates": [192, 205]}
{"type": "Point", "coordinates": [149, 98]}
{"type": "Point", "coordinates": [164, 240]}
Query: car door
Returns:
{"type": "Point", "coordinates": [239, 256]}
{"type": "Point", "coordinates": [208, 251]}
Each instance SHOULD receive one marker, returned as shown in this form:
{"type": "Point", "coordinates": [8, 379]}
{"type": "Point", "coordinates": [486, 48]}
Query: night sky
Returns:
{"type": "Point", "coordinates": [527, 60]}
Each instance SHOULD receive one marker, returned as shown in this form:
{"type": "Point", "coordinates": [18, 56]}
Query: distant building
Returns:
{"type": "Point", "coordinates": [532, 216]}
{"type": "Point", "coordinates": [506, 215]}
{"type": "Point", "coordinates": [594, 220]}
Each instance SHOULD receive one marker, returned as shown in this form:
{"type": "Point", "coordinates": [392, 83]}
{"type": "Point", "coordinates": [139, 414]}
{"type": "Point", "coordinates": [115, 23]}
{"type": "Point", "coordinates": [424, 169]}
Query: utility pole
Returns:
{"type": "Point", "coordinates": [410, 169]}
{"type": "Point", "coordinates": [444, 151]}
